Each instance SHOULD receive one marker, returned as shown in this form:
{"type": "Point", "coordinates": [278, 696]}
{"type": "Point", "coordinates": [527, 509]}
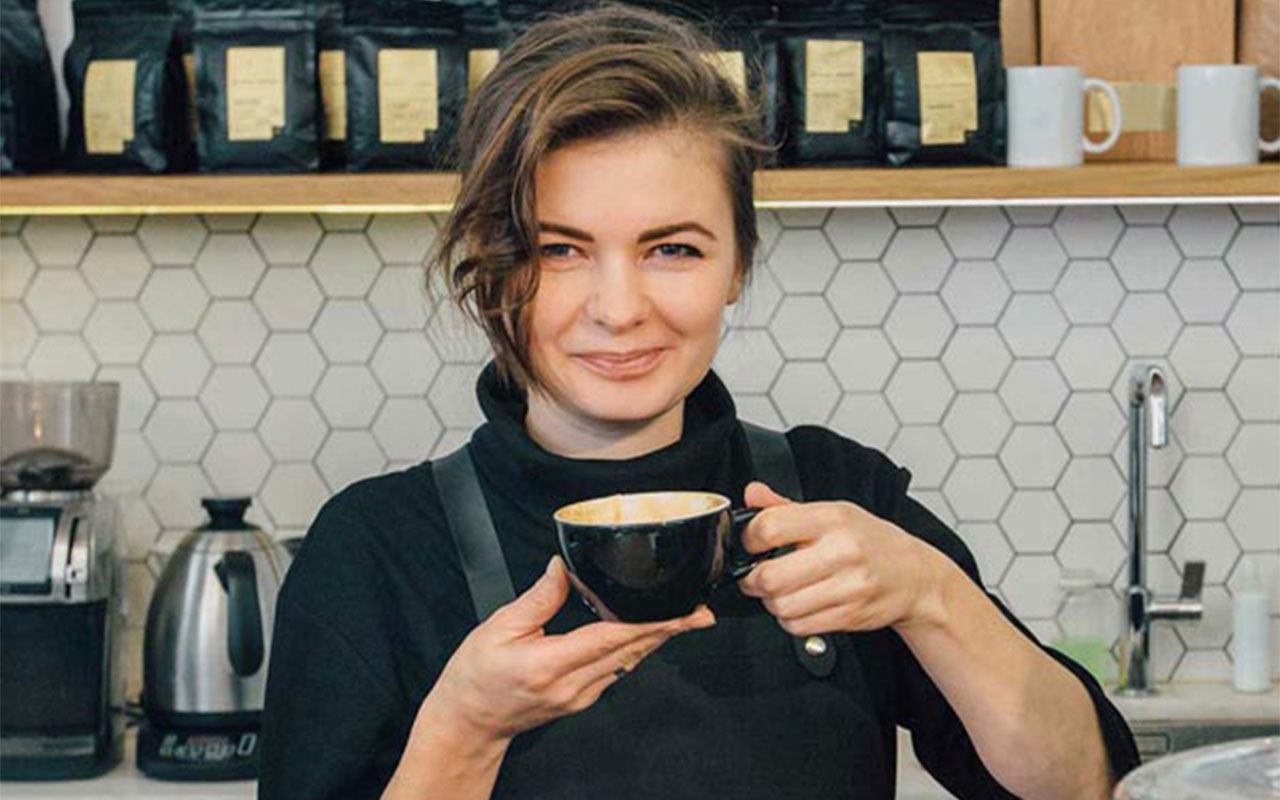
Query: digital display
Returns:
{"type": "Point", "coordinates": [26, 544]}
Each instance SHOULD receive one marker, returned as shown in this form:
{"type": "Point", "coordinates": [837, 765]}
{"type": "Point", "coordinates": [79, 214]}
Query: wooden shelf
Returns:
{"type": "Point", "coordinates": [402, 192]}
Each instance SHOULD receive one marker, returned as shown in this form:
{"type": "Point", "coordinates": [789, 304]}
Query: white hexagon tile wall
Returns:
{"type": "Point", "coordinates": [987, 349]}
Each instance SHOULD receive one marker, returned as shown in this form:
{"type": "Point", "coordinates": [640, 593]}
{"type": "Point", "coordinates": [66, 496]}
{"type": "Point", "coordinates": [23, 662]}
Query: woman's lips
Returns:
{"type": "Point", "coordinates": [623, 368]}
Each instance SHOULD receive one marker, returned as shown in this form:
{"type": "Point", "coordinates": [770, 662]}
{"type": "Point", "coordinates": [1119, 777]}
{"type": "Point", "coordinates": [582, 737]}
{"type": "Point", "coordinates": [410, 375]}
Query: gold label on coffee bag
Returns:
{"type": "Point", "coordinates": [832, 85]}
{"type": "Point", "coordinates": [408, 108]}
{"type": "Point", "coordinates": [1147, 107]}
{"type": "Point", "coordinates": [479, 64]}
{"type": "Point", "coordinates": [255, 93]}
{"type": "Point", "coordinates": [193, 111]}
{"type": "Point", "coordinates": [108, 105]}
{"type": "Point", "coordinates": [948, 96]}
{"type": "Point", "coordinates": [333, 93]}
{"type": "Point", "coordinates": [732, 64]}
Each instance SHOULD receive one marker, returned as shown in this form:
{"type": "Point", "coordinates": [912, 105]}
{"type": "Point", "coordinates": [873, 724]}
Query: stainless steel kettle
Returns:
{"type": "Point", "coordinates": [206, 646]}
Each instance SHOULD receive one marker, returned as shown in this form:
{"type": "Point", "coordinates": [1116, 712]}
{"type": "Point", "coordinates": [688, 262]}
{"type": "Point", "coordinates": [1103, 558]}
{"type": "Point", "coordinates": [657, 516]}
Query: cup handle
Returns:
{"type": "Point", "coordinates": [1118, 118]}
{"type": "Point", "coordinates": [740, 561]}
{"type": "Point", "coordinates": [1264, 84]}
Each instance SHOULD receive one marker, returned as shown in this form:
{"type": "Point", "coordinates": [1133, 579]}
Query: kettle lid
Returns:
{"type": "Point", "coordinates": [226, 513]}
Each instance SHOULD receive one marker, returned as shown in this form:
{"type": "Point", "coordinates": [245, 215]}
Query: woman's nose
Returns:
{"type": "Point", "coordinates": [618, 300]}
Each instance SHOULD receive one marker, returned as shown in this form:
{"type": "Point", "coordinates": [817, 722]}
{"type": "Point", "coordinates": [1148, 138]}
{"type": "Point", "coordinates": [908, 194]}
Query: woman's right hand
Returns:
{"type": "Point", "coordinates": [509, 676]}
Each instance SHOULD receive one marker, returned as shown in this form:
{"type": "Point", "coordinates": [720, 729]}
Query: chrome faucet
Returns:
{"type": "Point", "coordinates": [1148, 425]}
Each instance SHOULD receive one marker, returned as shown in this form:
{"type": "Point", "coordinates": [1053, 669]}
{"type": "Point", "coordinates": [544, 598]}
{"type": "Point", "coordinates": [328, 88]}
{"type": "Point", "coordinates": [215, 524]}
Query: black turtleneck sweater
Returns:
{"type": "Point", "coordinates": [376, 602]}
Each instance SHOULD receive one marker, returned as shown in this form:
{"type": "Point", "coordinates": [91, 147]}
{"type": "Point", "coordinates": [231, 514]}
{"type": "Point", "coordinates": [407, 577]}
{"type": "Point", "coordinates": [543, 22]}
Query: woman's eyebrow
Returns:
{"type": "Point", "coordinates": [649, 235]}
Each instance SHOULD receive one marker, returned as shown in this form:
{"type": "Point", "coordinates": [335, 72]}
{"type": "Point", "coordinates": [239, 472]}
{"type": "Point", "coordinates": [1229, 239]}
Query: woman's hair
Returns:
{"type": "Point", "coordinates": [600, 71]}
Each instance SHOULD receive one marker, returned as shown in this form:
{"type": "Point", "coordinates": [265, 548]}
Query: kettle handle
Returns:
{"type": "Point", "coordinates": [238, 577]}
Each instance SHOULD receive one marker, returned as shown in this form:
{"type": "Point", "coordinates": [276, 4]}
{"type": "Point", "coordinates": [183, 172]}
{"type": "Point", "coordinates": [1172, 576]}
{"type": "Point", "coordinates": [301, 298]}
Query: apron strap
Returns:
{"type": "Point", "coordinates": [473, 533]}
{"type": "Point", "coordinates": [773, 460]}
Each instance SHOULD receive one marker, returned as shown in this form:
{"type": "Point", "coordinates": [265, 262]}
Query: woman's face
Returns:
{"type": "Point", "coordinates": [637, 261]}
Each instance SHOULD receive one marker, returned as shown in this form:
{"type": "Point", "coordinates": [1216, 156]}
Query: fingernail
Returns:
{"type": "Point", "coordinates": [552, 567]}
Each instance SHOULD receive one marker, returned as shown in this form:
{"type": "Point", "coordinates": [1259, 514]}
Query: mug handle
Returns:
{"type": "Point", "coordinates": [1264, 84]}
{"type": "Point", "coordinates": [740, 561]}
{"type": "Point", "coordinates": [1118, 117]}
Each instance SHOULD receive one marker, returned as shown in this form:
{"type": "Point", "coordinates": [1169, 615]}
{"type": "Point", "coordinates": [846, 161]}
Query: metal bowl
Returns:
{"type": "Point", "coordinates": [56, 435]}
{"type": "Point", "coordinates": [1243, 770]}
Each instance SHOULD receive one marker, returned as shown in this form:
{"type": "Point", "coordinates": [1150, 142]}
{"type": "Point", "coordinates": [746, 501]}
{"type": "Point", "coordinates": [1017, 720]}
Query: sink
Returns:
{"type": "Point", "coordinates": [1157, 738]}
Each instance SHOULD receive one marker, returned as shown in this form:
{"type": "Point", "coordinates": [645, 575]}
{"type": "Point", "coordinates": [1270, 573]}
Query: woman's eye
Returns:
{"type": "Point", "coordinates": [556, 250]}
{"type": "Point", "coordinates": [673, 250]}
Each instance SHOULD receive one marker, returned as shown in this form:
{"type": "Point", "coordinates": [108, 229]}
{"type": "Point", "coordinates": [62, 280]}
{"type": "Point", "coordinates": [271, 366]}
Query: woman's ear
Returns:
{"type": "Point", "coordinates": [735, 288]}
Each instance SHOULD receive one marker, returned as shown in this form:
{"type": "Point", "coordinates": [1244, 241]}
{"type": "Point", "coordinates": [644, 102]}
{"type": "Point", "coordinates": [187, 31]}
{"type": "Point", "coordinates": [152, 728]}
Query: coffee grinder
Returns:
{"type": "Point", "coordinates": [59, 582]}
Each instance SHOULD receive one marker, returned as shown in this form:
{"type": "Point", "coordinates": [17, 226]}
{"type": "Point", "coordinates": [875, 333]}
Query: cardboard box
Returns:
{"type": "Point", "coordinates": [1019, 32]}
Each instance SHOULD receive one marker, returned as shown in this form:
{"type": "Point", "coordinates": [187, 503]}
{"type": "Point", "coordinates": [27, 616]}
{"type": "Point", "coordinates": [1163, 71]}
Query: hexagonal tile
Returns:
{"type": "Point", "coordinates": [1090, 488]}
{"type": "Point", "coordinates": [405, 363]}
{"type": "Point", "coordinates": [349, 396]}
{"type": "Point", "coordinates": [347, 331]}
{"type": "Point", "coordinates": [758, 301]}
{"type": "Point", "coordinates": [1088, 231]}
{"type": "Point", "coordinates": [1267, 567]}
{"type": "Point", "coordinates": [172, 238]}
{"type": "Point", "coordinates": [1145, 213]}
{"type": "Point", "coordinates": [1034, 521]}
{"type": "Point", "coordinates": [865, 418]}
{"type": "Point", "coordinates": [861, 293]}
{"type": "Point", "coordinates": [1253, 323]}
{"type": "Point", "coordinates": [132, 465]}
{"type": "Point", "coordinates": [977, 489]}
{"type": "Point", "coordinates": [919, 326]}
{"type": "Point", "coordinates": [229, 223]}
{"type": "Point", "coordinates": [1167, 652]}
{"type": "Point", "coordinates": [755, 408]}
{"type": "Point", "coordinates": [61, 357]}
{"type": "Point", "coordinates": [976, 359]}
{"type": "Point", "coordinates": [767, 228]}
{"type": "Point", "coordinates": [974, 231]}
{"type": "Point", "coordinates": [1253, 518]}
{"type": "Point", "coordinates": [1090, 423]}
{"type": "Point", "coordinates": [292, 429]}
{"type": "Point", "coordinates": [56, 241]}
{"type": "Point", "coordinates": [141, 529]}
{"type": "Point", "coordinates": [1146, 324]}
{"type": "Point", "coordinates": [453, 396]}
{"type": "Point", "coordinates": [17, 333]}
{"type": "Point", "coordinates": [59, 300]}
{"type": "Point", "coordinates": [859, 232]}
{"type": "Point", "coordinates": [117, 332]}
{"type": "Point", "coordinates": [1093, 545]}
{"type": "Point", "coordinates": [236, 463]}
{"type": "Point", "coordinates": [1089, 291]}
{"type": "Point", "coordinates": [114, 223]}
{"type": "Point", "coordinates": [975, 292]}
{"type": "Point", "coordinates": [291, 364]}
{"type": "Point", "coordinates": [747, 361]}
{"type": "Point", "coordinates": [802, 261]}
{"type": "Point", "coordinates": [12, 225]}
{"type": "Point", "coordinates": [348, 456]}
{"type": "Point", "coordinates": [344, 221]}
{"type": "Point", "coordinates": [399, 298]}
{"type": "Point", "coordinates": [804, 393]}
{"type": "Point", "coordinates": [345, 265]}
{"type": "Point", "coordinates": [861, 359]}
{"type": "Point", "coordinates": [16, 268]}
{"type": "Point", "coordinates": [804, 326]}
{"type": "Point", "coordinates": [1255, 454]}
{"type": "Point", "coordinates": [115, 267]}
{"type": "Point", "coordinates": [230, 265]}
{"type": "Point", "coordinates": [1033, 391]}
{"type": "Point", "coordinates": [174, 300]}
{"type": "Point", "coordinates": [1203, 290]}
{"type": "Point", "coordinates": [1024, 216]}
{"type": "Point", "coordinates": [234, 397]}
{"type": "Point", "coordinates": [1203, 229]}
{"type": "Point", "coordinates": [1255, 389]}
{"type": "Point", "coordinates": [1253, 257]}
{"type": "Point", "coordinates": [176, 365]}
{"type": "Point", "coordinates": [406, 428]}
{"type": "Point", "coordinates": [402, 238]}
{"type": "Point", "coordinates": [990, 549]}
{"type": "Point", "coordinates": [175, 493]}
{"type": "Point", "coordinates": [288, 298]}
{"type": "Point", "coordinates": [917, 260]}
{"type": "Point", "coordinates": [1034, 456]}
{"type": "Point", "coordinates": [1032, 259]}
{"type": "Point", "coordinates": [1209, 542]}
{"type": "Point", "coordinates": [1204, 422]}
{"type": "Point", "coordinates": [804, 217]}
{"type": "Point", "coordinates": [1031, 586]}
{"type": "Point", "coordinates": [136, 396]}
{"type": "Point", "coordinates": [1204, 487]}
{"type": "Point", "coordinates": [926, 452]}
{"type": "Point", "coordinates": [1032, 325]}
{"type": "Point", "coordinates": [1146, 258]}
{"type": "Point", "coordinates": [977, 424]}
{"type": "Point", "coordinates": [292, 494]}
{"type": "Point", "coordinates": [1257, 212]}
{"type": "Point", "coordinates": [178, 431]}
{"type": "Point", "coordinates": [1090, 357]}
{"type": "Point", "coordinates": [232, 331]}
{"type": "Point", "coordinates": [1212, 630]}
{"type": "Point", "coordinates": [919, 391]}
{"type": "Point", "coordinates": [286, 238]}
{"type": "Point", "coordinates": [917, 215]}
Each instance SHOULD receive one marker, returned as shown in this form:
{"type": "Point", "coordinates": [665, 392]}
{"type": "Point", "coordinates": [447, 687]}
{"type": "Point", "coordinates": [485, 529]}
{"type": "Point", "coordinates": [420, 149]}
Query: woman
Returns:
{"type": "Point", "coordinates": [604, 223]}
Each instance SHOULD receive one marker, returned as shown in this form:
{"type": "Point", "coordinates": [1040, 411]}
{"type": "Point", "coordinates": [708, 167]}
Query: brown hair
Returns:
{"type": "Point", "coordinates": [597, 72]}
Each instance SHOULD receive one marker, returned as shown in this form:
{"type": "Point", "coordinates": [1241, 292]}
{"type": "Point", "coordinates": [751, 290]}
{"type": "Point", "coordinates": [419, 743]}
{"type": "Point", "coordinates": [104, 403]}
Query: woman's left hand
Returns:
{"type": "Point", "coordinates": [850, 570]}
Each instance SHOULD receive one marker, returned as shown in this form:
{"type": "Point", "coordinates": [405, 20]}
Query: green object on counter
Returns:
{"type": "Point", "coordinates": [1090, 652]}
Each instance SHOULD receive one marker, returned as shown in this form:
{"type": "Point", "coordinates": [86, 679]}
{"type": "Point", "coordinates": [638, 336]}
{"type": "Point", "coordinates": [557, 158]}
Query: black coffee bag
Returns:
{"type": "Point", "coordinates": [128, 96]}
{"type": "Point", "coordinates": [332, 77]}
{"type": "Point", "coordinates": [29, 138]}
{"type": "Point", "coordinates": [184, 21]}
{"type": "Point", "coordinates": [484, 36]}
{"type": "Point", "coordinates": [830, 72]}
{"type": "Point", "coordinates": [256, 85]}
{"type": "Point", "coordinates": [406, 83]}
{"type": "Point", "coordinates": [944, 82]}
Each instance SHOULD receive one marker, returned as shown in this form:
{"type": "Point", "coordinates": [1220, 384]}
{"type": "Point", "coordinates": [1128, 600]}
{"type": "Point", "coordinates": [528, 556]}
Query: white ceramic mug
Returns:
{"type": "Point", "coordinates": [1046, 116]}
{"type": "Point", "coordinates": [1218, 115]}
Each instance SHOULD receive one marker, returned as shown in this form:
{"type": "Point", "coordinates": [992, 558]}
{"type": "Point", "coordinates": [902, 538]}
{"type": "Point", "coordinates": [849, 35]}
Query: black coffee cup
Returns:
{"type": "Point", "coordinates": [653, 556]}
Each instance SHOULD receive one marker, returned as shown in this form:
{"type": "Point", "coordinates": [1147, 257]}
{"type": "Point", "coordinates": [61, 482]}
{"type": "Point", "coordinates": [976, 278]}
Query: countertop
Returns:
{"type": "Point", "coordinates": [1174, 702]}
